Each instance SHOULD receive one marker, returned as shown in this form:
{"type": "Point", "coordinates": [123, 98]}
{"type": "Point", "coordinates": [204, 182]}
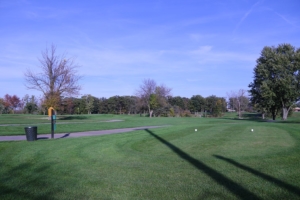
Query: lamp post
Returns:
{"type": "Point", "coordinates": [52, 116]}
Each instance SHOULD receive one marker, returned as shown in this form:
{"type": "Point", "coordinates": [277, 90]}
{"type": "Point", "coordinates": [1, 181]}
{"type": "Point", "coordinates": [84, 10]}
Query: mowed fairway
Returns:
{"type": "Point", "coordinates": [223, 159]}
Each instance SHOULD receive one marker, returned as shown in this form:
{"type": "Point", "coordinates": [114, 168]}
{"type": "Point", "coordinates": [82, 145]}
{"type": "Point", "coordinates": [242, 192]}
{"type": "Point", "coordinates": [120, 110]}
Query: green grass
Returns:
{"type": "Point", "coordinates": [222, 160]}
{"type": "Point", "coordinates": [14, 124]}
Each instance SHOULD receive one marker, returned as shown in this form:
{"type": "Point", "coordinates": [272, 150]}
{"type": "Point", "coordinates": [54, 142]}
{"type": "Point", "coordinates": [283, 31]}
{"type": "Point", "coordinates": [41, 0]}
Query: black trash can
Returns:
{"type": "Point", "coordinates": [31, 133]}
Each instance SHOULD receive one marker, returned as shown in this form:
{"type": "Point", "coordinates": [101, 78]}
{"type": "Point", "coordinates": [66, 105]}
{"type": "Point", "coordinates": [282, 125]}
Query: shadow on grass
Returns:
{"type": "Point", "coordinates": [271, 179]}
{"type": "Point", "coordinates": [256, 117]}
{"type": "Point", "coordinates": [65, 135]}
{"type": "Point", "coordinates": [247, 117]}
{"type": "Point", "coordinates": [266, 120]}
{"type": "Point", "coordinates": [25, 182]}
{"type": "Point", "coordinates": [75, 117]}
{"type": "Point", "coordinates": [42, 138]}
{"type": "Point", "coordinates": [251, 115]}
{"type": "Point", "coordinates": [233, 187]}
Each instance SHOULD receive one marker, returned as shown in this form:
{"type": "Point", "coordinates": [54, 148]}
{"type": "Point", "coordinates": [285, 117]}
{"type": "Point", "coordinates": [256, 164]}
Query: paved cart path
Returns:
{"type": "Point", "coordinates": [78, 134]}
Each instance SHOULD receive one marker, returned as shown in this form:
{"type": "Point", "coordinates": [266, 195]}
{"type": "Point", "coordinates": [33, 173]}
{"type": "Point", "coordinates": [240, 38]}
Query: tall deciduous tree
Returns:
{"type": "Point", "coordinates": [11, 102]}
{"type": "Point", "coordinates": [238, 101]}
{"type": "Point", "coordinates": [58, 77]}
{"type": "Point", "coordinates": [197, 103]}
{"type": "Point", "coordinates": [276, 83]}
{"type": "Point", "coordinates": [153, 96]}
{"type": "Point", "coordinates": [30, 104]}
{"type": "Point", "coordinates": [215, 105]}
{"type": "Point", "coordinates": [145, 91]}
{"type": "Point", "coordinates": [89, 103]}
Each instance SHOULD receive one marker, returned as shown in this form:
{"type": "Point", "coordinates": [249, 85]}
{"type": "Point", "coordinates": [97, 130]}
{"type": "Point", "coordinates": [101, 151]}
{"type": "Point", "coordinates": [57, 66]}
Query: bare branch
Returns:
{"type": "Point", "coordinates": [58, 75]}
{"type": "Point", "coordinates": [149, 90]}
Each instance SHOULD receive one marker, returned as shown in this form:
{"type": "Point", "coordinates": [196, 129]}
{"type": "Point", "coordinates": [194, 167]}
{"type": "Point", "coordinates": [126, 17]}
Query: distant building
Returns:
{"type": "Point", "coordinates": [232, 110]}
{"type": "Point", "coordinates": [296, 109]}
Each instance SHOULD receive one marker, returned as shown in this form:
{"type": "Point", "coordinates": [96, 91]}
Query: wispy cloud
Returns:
{"type": "Point", "coordinates": [246, 15]}
{"type": "Point", "coordinates": [286, 20]}
{"type": "Point", "coordinates": [206, 54]}
{"type": "Point", "coordinates": [202, 50]}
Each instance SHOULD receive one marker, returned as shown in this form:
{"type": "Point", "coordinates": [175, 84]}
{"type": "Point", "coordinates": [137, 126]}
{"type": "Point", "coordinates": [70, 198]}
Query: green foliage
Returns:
{"type": "Point", "coordinates": [153, 101]}
{"type": "Point", "coordinates": [89, 103]}
{"type": "Point", "coordinates": [172, 112]}
{"type": "Point", "coordinates": [276, 83]}
{"type": "Point", "coordinates": [215, 105]}
{"type": "Point", "coordinates": [30, 104]}
{"type": "Point", "coordinates": [217, 111]}
{"type": "Point", "coordinates": [118, 105]}
{"type": "Point", "coordinates": [31, 107]}
{"type": "Point", "coordinates": [181, 102]}
{"type": "Point", "coordinates": [197, 103]}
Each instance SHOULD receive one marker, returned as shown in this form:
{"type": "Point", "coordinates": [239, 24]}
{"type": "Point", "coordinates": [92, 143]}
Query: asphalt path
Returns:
{"type": "Point", "coordinates": [77, 134]}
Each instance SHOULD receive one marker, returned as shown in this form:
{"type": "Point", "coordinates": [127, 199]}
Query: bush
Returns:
{"type": "Point", "coordinates": [186, 113]}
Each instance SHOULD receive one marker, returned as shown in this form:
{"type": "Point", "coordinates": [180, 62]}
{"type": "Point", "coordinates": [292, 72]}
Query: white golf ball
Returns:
{"type": "Point", "coordinates": [251, 130]}
{"type": "Point", "coordinates": [195, 129]}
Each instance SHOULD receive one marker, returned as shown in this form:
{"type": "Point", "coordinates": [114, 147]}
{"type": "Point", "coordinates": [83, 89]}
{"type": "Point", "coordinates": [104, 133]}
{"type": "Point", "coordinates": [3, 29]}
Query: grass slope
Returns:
{"type": "Point", "coordinates": [222, 160]}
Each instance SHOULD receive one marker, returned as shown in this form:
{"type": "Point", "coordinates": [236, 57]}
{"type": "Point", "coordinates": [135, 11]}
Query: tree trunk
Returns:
{"type": "Point", "coordinates": [285, 112]}
{"type": "Point", "coordinates": [239, 110]}
{"type": "Point", "coordinates": [273, 115]}
{"type": "Point", "coordinates": [150, 113]}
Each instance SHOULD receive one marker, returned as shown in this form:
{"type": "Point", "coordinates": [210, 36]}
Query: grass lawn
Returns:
{"type": "Point", "coordinates": [223, 159]}
{"type": "Point", "coordinates": [14, 124]}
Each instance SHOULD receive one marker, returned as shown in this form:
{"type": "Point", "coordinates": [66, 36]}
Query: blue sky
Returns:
{"type": "Point", "coordinates": [192, 46]}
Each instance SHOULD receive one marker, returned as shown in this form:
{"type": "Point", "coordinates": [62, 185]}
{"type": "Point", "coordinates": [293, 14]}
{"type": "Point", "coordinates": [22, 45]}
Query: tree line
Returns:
{"type": "Point", "coordinates": [275, 90]}
{"type": "Point", "coordinates": [58, 82]}
{"type": "Point", "coordinates": [167, 106]}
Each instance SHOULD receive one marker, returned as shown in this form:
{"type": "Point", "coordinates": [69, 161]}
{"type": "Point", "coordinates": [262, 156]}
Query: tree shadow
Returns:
{"type": "Point", "coordinates": [65, 135]}
{"type": "Point", "coordinates": [232, 186]}
{"type": "Point", "coordinates": [265, 120]}
{"type": "Point", "coordinates": [256, 117]}
{"type": "Point", "coordinates": [269, 178]}
{"type": "Point", "coordinates": [24, 182]}
{"type": "Point", "coordinates": [42, 138]}
{"type": "Point", "coordinates": [75, 117]}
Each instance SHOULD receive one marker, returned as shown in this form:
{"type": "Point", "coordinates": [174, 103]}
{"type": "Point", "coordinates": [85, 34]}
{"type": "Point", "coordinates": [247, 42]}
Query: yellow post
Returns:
{"type": "Point", "coordinates": [49, 111]}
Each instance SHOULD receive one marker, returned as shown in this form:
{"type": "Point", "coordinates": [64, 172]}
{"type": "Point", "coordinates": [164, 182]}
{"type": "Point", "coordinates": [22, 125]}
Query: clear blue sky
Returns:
{"type": "Point", "coordinates": [192, 46]}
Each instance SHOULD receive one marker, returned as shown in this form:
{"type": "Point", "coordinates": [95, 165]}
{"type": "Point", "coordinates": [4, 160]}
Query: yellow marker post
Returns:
{"type": "Point", "coordinates": [50, 111]}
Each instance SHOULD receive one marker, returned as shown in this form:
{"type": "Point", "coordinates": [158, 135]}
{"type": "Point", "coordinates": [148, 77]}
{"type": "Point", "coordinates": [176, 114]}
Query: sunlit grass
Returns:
{"type": "Point", "coordinates": [223, 159]}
